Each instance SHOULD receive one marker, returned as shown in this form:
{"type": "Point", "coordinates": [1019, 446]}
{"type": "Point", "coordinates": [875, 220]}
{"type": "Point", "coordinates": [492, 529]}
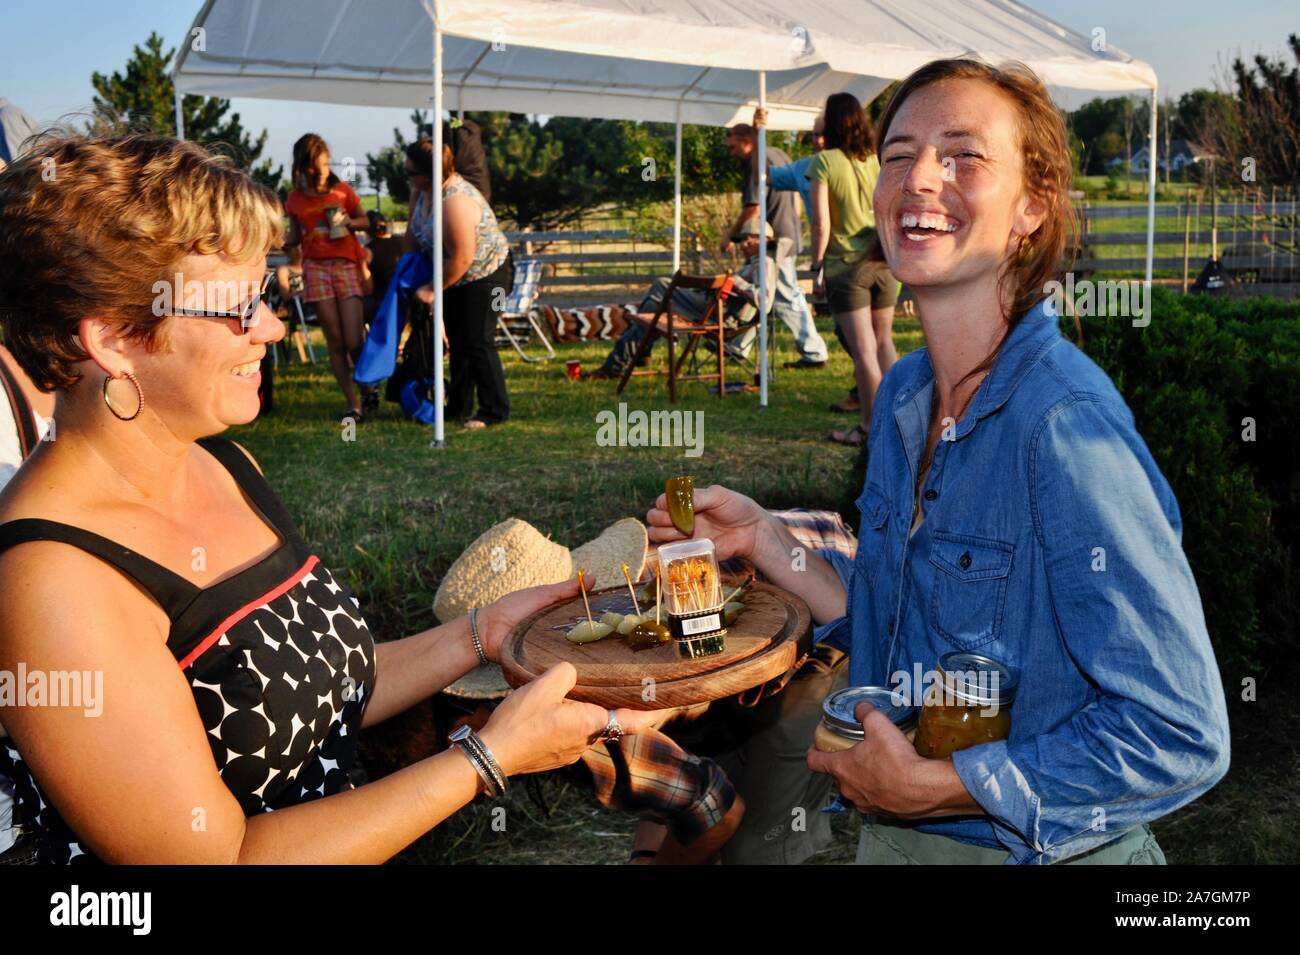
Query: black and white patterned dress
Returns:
{"type": "Point", "coordinates": [278, 658]}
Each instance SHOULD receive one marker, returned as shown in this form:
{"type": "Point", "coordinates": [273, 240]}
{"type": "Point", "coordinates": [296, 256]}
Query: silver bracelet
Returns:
{"type": "Point", "coordinates": [467, 741]}
{"type": "Point", "coordinates": [473, 632]}
{"type": "Point", "coordinates": [487, 759]}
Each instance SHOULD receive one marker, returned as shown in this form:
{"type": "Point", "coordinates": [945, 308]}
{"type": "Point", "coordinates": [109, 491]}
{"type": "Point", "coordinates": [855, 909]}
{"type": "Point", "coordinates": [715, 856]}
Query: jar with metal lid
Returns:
{"type": "Point", "coordinates": [970, 704]}
{"type": "Point", "coordinates": [839, 729]}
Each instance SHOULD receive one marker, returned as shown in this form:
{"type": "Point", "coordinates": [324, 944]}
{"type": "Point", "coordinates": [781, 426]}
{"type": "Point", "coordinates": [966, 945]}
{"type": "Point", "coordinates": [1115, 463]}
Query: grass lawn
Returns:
{"type": "Point", "coordinates": [393, 514]}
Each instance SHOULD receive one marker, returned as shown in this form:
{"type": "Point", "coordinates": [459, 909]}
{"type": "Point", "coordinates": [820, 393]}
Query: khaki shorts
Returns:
{"type": "Point", "coordinates": [867, 283]}
{"type": "Point", "coordinates": [884, 843]}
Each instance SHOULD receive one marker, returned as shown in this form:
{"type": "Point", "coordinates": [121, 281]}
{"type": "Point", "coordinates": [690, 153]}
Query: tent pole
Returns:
{"type": "Point", "coordinates": [1151, 201]}
{"type": "Point", "coordinates": [180, 114]}
{"type": "Point", "coordinates": [677, 193]}
{"type": "Point", "coordinates": [435, 212]}
{"type": "Point", "coordinates": [761, 135]}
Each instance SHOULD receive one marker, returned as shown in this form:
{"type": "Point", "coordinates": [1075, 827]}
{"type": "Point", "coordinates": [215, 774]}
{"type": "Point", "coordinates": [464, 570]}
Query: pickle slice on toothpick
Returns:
{"type": "Point", "coordinates": [589, 632]}
{"type": "Point", "coordinates": [680, 494]}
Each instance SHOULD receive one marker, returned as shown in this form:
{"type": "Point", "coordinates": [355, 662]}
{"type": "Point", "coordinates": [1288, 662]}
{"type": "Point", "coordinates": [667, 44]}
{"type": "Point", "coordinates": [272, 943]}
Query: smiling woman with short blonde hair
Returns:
{"type": "Point", "coordinates": [142, 547]}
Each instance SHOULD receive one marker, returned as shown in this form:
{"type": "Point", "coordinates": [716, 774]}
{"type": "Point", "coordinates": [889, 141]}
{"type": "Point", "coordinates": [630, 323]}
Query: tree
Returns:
{"type": "Point", "coordinates": [1268, 104]}
{"type": "Point", "coordinates": [388, 166]}
{"type": "Point", "coordinates": [1091, 122]}
{"type": "Point", "coordinates": [142, 99]}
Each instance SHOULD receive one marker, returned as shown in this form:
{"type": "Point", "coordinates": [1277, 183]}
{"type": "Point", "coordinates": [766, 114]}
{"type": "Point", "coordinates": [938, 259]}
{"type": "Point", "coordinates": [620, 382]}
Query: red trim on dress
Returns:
{"type": "Point", "coordinates": [248, 608]}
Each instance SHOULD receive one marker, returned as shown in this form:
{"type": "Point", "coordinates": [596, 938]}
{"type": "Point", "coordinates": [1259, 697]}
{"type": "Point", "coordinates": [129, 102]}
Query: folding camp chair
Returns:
{"type": "Point", "coordinates": [713, 327]}
{"type": "Point", "coordinates": [515, 321]}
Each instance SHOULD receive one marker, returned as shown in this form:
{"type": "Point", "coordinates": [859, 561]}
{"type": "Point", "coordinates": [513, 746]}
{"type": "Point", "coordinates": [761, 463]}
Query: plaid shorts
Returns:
{"type": "Point", "coordinates": [331, 278]}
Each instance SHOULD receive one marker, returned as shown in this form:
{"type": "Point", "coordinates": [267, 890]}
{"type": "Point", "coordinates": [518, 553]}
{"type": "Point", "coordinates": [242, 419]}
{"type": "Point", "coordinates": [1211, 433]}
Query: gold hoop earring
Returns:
{"type": "Point", "coordinates": [139, 393]}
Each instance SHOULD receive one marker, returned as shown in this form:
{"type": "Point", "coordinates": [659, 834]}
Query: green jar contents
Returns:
{"type": "Point", "coordinates": [969, 705]}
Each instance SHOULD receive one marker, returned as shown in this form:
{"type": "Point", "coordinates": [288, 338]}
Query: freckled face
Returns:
{"type": "Point", "coordinates": [949, 203]}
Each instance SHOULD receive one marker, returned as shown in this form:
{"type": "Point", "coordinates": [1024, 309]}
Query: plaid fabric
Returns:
{"type": "Point", "coordinates": [331, 278]}
{"type": "Point", "coordinates": [815, 530]}
{"type": "Point", "coordinates": [650, 774]}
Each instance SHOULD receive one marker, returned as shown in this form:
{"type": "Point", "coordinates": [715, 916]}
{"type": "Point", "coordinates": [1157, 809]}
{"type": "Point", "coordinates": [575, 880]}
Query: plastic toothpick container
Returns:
{"type": "Point", "coordinates": [692, 596]}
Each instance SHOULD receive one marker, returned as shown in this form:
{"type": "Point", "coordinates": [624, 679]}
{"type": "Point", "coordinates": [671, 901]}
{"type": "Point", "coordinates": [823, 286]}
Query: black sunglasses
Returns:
{"type": "Point", "coordinates": [244, 315]}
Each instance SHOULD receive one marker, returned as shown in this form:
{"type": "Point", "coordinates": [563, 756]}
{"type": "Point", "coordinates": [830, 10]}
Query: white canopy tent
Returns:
{"type": "Point", "coordinates": [694, 61]}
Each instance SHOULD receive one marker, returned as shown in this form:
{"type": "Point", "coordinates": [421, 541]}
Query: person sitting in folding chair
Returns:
{"type": "Point", "coordinates": [739, 311]}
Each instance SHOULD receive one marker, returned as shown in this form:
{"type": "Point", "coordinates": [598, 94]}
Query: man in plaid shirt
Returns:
{"type": "Point", "coordinates": [694, 796]}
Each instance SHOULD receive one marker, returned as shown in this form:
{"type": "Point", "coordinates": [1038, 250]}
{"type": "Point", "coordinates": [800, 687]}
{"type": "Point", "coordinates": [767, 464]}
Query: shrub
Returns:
{"type": "Point", "coordinates": [1197, 378]}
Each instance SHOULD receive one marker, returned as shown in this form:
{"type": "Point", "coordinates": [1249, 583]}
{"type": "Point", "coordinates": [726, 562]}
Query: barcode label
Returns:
{"type": "Point", "coordinates": [694, 625]}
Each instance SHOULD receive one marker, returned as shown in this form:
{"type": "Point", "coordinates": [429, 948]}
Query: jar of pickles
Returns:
{"type": "Point", "coordinates": [692, 595]}
{"type": "Point", "coordinates": [970, 704]}
{"type": "Point", "coordinates": [840, 729]}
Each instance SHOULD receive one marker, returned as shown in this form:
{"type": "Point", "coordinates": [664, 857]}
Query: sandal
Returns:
{"type": "Point", "coordinates": [641, 854]}
{"type": "Point", "coordinates": [353, 414]}
{"type": "Point", "coordinates": [847, 406]}
{"type": "Point", "coordinates": [855, 437]}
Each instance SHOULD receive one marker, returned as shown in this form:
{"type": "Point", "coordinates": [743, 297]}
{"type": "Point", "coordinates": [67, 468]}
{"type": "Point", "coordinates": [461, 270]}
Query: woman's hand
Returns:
{"type": "Point", "coordinates": [537, 729]}
{"type": "Point", "coordinates": [884, 775]}
{"type": "Point", "coordinates": [425, 294]}
{"type": "Point", "coordinates": [732, 521]}
{"type": "Point", "coordinates": [819, 284]}
{"type": "Point", "coordinates": [497, 619]}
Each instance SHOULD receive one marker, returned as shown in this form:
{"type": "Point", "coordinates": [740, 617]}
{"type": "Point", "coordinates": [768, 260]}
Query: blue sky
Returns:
{"type": "Point", "coordinates": [49, 48]}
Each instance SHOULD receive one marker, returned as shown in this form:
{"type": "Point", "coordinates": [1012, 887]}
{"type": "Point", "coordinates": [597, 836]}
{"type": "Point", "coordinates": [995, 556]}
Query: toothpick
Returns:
{"type": "Point", "coordinates": [742, 586]}
{"type": "Point", "coordinates": [658, 581]}
{"type": "Point", "coordinates": [583, 587]}
{"type": "Point", "coordinates": [630, 589]}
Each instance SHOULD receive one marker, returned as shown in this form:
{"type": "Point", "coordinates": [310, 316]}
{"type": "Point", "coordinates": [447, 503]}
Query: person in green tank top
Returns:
{"type": "Point", "coordinates": [857, 283]}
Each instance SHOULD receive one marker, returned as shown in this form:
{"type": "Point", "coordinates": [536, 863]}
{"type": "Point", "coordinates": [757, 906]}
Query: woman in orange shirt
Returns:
{"type": "Point", "coordinates": [324, 211]}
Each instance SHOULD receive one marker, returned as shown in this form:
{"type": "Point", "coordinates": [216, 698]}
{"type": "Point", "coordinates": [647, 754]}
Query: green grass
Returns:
{"type": "Point", "coordinates": [395, 512]}
{"type": "Point", "coordinates": [392, 513]}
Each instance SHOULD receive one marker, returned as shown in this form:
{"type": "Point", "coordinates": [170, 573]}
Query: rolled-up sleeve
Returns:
{"type": "Point", "coordinates": [838, 632]}
{"type": "Point", "coordinates": [1155, 735]}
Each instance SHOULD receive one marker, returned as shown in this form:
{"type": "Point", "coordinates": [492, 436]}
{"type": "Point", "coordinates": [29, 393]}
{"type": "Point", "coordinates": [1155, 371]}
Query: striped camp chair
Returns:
{"type": "Point", "coordinates": [515, 322]}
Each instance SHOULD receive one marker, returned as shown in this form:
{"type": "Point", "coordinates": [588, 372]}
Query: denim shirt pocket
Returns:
{"type": "Point", "coordinates": [969, 589]}
{"type": "Point", "coordinates": [872, 533]}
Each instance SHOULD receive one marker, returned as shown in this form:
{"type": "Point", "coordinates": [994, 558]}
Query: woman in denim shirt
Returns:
{"type": "Point", "coordinates": [1010, 508]}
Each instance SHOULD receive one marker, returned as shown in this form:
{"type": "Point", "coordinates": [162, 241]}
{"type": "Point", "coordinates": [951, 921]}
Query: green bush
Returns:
{"type": "Point", "coordinates": [1212, 385]}
{"type": "Point", "coordinates": [1196, 378]}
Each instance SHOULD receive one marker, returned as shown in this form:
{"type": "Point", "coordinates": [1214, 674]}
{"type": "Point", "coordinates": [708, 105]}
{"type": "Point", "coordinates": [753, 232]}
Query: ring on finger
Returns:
{"type": "Point", "coordinates": [613, 731]}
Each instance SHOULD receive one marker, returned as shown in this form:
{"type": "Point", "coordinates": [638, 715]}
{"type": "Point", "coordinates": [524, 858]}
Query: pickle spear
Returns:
{"type": "Point", "coordinates": [680, 493]}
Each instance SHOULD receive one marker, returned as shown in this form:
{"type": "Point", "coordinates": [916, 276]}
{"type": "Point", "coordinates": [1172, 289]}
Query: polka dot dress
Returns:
{"type": "Point", "coordinates": [280, 680]}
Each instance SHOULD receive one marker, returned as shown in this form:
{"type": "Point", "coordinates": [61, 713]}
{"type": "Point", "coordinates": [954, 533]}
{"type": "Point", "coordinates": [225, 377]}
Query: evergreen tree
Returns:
{"type": "Point", "coordinates": [142, 98]}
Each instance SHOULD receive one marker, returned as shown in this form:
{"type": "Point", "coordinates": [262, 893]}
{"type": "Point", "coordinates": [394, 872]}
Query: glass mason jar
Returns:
{"type": "Point", "coordinates": [839, 729]}
{"type": "Point", "coordinates": [969, 705]}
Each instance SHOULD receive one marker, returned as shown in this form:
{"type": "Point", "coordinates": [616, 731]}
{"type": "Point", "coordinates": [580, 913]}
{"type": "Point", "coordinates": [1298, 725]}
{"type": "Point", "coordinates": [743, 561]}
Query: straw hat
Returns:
{"type": "Point", "coordinates": [514, 555]}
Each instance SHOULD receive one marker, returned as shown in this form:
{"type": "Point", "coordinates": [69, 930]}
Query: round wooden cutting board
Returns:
{"type": "Point", "coordinates": [773, 632]}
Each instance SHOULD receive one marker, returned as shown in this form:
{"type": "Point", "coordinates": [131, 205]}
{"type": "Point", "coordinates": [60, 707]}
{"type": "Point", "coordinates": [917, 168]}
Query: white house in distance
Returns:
{"type": "Point", "coordinates": [1181, 154]}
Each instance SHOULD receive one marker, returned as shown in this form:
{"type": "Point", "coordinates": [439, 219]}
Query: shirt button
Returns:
{"type": "Point", "coordinates": [931, 494]}
{"type": "Point", "coordinates": [964, 560]}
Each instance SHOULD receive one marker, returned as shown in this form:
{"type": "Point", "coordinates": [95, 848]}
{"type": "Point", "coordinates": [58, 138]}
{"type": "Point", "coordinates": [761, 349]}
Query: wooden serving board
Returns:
{"type": "Point", "coordinates": [773, 632]}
